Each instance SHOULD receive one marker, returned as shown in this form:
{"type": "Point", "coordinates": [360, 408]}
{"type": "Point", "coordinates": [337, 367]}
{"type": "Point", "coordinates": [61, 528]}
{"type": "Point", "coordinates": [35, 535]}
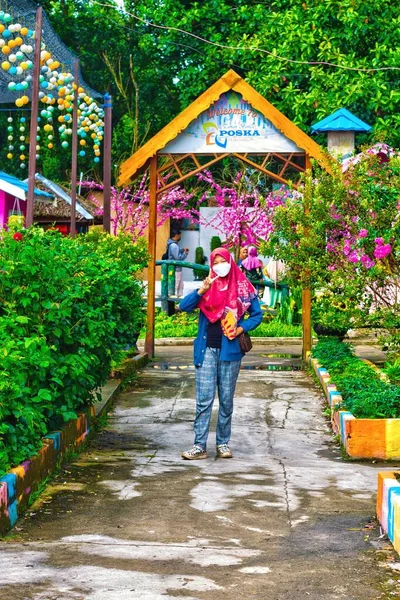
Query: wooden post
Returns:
{"type": "Point", "coordinates": [74, 163]}
{"type": "Point", "coordinates": [151, 283]}
{"type": "Point", "coordinates": [306, 302]}
{"type": "Point", "coordinates": [34, 117]}
{"type": "Point", "coordinates": [107, 162]}
{"type": "Point", "coordinates": [306, 314]}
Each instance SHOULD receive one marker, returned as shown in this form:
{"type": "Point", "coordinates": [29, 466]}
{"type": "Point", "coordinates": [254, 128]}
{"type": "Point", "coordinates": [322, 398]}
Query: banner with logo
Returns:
{"type": "Point", "coordinates": [230, 125]}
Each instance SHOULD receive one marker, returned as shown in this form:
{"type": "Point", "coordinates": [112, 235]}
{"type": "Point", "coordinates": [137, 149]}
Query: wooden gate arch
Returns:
{"type": "Point", "coordinates": [229, 119]}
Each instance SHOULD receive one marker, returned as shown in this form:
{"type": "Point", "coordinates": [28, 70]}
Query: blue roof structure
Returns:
{"type": "Point", "coordinates": [14, 186]}
{"type": "Point", "coordinates": [340, 120]}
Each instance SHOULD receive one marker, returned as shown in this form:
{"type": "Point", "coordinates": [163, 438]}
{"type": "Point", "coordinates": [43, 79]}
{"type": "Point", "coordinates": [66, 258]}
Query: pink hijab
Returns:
{"type": "Point", "coordinates": [252, 261]}
{"type": "Point", "coordinates": [229, 297]}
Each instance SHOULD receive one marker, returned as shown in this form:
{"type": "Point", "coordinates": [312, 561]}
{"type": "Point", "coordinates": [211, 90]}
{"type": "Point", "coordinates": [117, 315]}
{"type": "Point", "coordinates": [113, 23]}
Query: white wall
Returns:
{"type": "Point", "coordinates": [190, 239]}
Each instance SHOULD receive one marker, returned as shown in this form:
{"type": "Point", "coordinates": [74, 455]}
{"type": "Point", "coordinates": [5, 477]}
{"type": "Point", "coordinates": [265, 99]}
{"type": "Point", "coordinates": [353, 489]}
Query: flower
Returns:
{"type": "Point", "coordinates": [381, 251]}
{"type": "Point", "coordinates": [363, 233]}
{"type": "Point", "coordinates": [382, 157]}
{"type": "Point", "coordinates": [17, 236]}
{"type": "Point", "coordinates": [353, 256]}
{"type": "Point", "coordinates": [367, 261]}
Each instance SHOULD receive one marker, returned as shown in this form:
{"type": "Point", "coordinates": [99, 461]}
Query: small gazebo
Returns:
{"type": "Point", "coordinates": [229, 119]}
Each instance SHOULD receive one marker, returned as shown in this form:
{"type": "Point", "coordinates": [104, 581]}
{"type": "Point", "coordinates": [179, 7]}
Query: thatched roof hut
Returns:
{"type": "Point", "coordinates": [59, 211]}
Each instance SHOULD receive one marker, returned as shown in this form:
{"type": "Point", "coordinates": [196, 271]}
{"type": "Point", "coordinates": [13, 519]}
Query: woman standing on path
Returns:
{"type": "Point", "coordinates": [223, 299]}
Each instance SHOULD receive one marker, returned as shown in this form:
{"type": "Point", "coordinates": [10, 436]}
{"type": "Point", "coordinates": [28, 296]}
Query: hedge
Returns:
{"type": "Point", "coordinates": [366, 393]}
{"type": "Point", "coordinates": [68, 307]}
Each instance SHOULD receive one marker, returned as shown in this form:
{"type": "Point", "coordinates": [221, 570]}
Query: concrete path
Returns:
{"type": "Point", "coordinates": [285, 519]}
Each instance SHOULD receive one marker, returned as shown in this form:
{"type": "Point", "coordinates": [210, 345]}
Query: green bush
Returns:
{"type": "Point", "coordinates": [199, 259]}
{"type": "Point", "coordinates": [215, 242]}
{"type": "Point", "coordinates": [68, 308]}
{"type": "Point", "coordinates": [365, 391]}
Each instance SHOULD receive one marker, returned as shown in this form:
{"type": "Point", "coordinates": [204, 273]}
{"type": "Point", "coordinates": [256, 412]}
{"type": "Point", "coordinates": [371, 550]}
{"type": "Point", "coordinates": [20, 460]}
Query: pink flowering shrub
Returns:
{"type": "Point", "coordinates": [129, 206]}
{"type": "Point", "coordinates": [244, 218]}
{"type": "Point", "coordinates": [341, 233]}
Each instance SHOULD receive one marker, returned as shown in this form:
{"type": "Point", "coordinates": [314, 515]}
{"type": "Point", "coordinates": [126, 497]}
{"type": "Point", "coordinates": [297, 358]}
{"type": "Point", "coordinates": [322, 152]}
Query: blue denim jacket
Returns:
{"type": "Point", "coordinates": [230, 349]}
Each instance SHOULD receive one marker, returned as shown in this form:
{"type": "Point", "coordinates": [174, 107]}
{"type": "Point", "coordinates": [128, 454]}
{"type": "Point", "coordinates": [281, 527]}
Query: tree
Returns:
{"type": "Point", "coordinates": [155, 72]}
{"type": "Point", "coordinates": [244, 217]}
{"type": "Point", "coordinates": [350, 33]}
{"type": "Point", "coordinates": [339, 234]}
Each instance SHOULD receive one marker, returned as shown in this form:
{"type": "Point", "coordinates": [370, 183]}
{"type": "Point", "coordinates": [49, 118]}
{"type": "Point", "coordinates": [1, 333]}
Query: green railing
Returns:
{"type": "Point", "coordinates": [168, 268]}
{"type": "Point", "coordinates": [168, 297]}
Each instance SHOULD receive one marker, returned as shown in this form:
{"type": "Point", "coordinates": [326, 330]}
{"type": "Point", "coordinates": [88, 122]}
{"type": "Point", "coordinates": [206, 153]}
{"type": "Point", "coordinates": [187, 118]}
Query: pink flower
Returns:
{"type": "Point", "coordinates": [346, 248]}
{"type": "Point", "coordinates": [367, 261]}
{"type": "Point", "coordinates": [379, 241]}
{"type": "Point", "coordinates": [363, 233]}
{"type": "Point", "coordinates": [331, 267]}
{"type": "Point", "coordinates": [353, 257]}
{"type": "Point", "coordinates": [382, 251]}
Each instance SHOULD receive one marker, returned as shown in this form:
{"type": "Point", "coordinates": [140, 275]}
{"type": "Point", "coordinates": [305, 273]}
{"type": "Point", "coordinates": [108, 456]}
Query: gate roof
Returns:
{"type": "Point", "coordinates": [230, 81]}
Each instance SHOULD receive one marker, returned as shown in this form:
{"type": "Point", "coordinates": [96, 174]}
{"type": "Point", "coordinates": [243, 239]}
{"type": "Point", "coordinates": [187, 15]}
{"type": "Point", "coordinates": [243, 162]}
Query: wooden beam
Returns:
{"type": "Point", "coordinates": [289, 161]}
{"type": "Point", "coordinates": [107, 161]}
{"type": "Point", "coordinates": [264, 170]}
{"type": "Point", "coordinates": [74, 160]}
{"type": "Point", "coordinates": [306, 303]}
{"type": "Point", "coordinates": [34, 117]}
{"type": "Point", "coordinates": [194, 172]}
{"type": "Point", "coordinates": [306, 317]}
{"type": "Point", "coordinates": [151, 277]}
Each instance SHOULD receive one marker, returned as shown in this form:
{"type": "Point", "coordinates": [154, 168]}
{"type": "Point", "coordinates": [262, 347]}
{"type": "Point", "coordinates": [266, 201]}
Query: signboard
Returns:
{"type": "Point", "coordinates": [230, 125]}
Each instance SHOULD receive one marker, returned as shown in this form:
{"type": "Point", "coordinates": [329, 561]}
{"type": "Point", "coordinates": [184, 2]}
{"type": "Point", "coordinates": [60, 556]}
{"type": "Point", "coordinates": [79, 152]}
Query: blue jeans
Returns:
{"type": "Point", "coordinates": [214, 373]}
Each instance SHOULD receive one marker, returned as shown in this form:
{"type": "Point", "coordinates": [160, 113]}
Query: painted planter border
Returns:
{"type": "Point", "coordinates": [388, 506]}
{"type": "Point", "coordinates": [19, 483]}
{"type": "Point", "coordinates": [361, 438]}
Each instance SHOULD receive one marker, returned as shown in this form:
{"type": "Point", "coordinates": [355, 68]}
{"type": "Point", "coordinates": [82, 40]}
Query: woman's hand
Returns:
{"type": "Point", "coordinates": [239, 330]}
{"type": "Point", "coordinates": [205, 286]}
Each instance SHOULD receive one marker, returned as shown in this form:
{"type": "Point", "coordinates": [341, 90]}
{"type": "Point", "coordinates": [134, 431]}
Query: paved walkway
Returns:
{"type": "Point", "coordinates": [285, 519]}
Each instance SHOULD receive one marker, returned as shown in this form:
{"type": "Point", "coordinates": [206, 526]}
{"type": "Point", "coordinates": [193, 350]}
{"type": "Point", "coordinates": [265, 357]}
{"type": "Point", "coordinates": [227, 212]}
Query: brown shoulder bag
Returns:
{"type": "Point", "coordinates": [245, 342]}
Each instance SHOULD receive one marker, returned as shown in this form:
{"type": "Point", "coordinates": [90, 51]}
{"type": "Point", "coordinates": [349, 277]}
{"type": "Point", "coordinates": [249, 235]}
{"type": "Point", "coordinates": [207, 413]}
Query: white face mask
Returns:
{"type": "Point", "coordinates": [222, 269]}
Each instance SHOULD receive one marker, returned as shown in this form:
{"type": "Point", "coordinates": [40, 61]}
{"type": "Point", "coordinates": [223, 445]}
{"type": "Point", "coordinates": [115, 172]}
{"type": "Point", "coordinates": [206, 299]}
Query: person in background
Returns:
{"type": "Point", "coordinates": [252, 268]}
{"type": "Point", "coordinates": [243, 254]}
{"type": "Point", "coordinates": [225, 296]}
{"type": "Point", "coordinates": [274, 272]}
{"type": "Point", "coordinates": [176, 253]}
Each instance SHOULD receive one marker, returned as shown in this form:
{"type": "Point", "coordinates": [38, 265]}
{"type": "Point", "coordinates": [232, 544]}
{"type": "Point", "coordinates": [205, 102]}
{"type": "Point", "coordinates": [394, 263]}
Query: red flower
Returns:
{"type": "Point", "coordinates": [17, 236]}
{"type": "Point", "coordinates": [382, 157]}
